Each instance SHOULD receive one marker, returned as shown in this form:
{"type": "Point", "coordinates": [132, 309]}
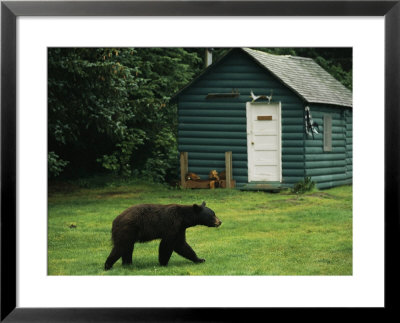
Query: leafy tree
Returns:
{"type": "Point", "coordinates": [107, 106]}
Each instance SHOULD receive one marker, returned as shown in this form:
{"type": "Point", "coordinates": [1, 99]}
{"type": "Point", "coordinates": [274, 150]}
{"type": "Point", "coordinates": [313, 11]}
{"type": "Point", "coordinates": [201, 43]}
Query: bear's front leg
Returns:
{"type": "Point", "coordinates": [186, 251]}
{"type": "Point", "coordinates": [183, 249]}
{"type": "Point", "coordinates": [165, 251]}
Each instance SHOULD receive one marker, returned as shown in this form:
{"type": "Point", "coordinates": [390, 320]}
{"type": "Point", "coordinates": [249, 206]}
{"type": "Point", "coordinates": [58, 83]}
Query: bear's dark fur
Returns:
{"type": "Point", "coordinates": [146, 222]}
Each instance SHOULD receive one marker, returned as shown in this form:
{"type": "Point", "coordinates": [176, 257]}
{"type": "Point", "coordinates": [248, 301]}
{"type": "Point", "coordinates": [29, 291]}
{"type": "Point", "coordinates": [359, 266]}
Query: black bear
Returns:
{"type": "Point", "coordinates": [146, 222]}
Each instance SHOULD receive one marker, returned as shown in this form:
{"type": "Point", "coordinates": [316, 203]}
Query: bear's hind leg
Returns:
{"type": "Point", "coordinates": [127, 255]}
{"type": "Point", "coordinates": [165, 251]}
{"type": "Point", "coordinates": [112, 258]}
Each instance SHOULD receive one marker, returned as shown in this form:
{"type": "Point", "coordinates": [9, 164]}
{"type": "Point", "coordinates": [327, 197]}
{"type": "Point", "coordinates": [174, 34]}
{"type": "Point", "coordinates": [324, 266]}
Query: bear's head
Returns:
{"type": "Point", "coordinates": [206, 216]}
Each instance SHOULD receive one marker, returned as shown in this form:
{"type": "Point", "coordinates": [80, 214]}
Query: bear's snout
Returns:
{"type": "Point", "coordinates": [218, 222]}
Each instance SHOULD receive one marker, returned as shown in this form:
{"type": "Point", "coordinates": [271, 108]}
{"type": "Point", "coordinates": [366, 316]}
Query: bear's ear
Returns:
{"type": "Point", "coordinates": [196, 208]}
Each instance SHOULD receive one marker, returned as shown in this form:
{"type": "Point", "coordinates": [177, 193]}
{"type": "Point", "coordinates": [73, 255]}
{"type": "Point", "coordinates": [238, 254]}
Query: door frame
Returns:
{"type": "Point", "coordinates": [250, 160]}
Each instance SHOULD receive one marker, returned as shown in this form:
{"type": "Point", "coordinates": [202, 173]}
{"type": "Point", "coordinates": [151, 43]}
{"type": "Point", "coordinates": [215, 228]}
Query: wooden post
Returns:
{"type": "Point", "coordinates": [228, 168]}
{"type": "Point", "coordinates": [184, 168]}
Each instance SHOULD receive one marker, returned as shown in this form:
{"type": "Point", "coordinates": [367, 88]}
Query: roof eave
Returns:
{"type": "Point", "coordinates": [340, 105]}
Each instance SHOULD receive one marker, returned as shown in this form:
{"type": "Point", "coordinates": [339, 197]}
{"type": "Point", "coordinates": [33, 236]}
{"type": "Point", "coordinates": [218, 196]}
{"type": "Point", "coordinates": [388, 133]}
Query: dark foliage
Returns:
{"type": "Point", "coordinates": [108, 110]}
{"type": "Point", "coordinates": [306, 185]}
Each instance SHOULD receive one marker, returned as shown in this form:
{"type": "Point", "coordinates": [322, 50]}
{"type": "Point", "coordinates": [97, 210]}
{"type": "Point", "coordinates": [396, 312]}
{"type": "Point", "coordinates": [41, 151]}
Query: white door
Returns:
{"type": "Point", "coordinates": [264, 142]}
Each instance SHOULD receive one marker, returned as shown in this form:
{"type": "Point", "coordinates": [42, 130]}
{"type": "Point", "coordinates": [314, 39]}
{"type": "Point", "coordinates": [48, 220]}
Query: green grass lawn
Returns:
{"type": "Point", "coordinates": [261, 234]}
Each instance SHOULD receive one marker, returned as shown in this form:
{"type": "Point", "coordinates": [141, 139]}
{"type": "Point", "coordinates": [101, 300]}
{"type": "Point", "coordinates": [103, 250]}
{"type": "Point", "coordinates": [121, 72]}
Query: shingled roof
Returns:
{"type": "Point", "coordinates": [305, 77]}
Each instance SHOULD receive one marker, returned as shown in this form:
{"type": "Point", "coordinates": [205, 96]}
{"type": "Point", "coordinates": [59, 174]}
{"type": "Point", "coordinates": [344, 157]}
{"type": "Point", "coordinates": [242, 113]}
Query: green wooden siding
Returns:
{"type": "Point", "coordinates": [349, 145]}
{"type": "Point", "coordinates": [330, 168]}
{"type": "Point", "coordinates": [210, 127]}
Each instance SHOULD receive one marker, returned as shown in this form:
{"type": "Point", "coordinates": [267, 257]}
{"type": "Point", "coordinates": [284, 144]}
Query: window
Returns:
{"type": "Point", "coordinates": [327, 132]}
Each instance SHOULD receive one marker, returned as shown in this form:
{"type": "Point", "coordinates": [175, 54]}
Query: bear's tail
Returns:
{"type": "Point", "coordinates": [113, 236]}
{"type": "Point", "coordinates": [114, 233]}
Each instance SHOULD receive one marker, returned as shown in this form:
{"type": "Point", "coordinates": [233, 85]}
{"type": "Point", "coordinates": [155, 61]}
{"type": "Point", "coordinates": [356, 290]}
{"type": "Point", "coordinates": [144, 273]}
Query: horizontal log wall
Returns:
{"type": "Point", "coordinates": [210, 127]}
{"type": "Point", "coordinates": [349, 146]}
{"type": "Point", "coordinates": [334, 168]}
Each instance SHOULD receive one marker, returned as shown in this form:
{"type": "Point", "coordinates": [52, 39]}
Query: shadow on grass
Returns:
{"type": "Point", "coordinates": [153, 265]}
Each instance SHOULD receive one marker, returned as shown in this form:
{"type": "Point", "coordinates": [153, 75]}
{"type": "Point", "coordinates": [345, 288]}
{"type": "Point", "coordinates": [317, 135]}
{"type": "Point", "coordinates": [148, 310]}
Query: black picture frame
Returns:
{"type": "Point", "coordinates": [10, 10]}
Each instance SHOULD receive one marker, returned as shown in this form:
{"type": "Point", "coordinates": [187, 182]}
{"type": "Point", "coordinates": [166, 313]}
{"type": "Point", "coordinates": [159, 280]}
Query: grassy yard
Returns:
{"type": "Point", "coordinates": [261, 234]}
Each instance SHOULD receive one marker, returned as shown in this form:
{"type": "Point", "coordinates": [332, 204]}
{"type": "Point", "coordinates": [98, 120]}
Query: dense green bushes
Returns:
{"type": "Point", "coordinates": [108, 110]}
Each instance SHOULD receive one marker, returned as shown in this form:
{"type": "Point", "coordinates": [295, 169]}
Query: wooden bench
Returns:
{"type": "Point", "coordinates": [228, 182]}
